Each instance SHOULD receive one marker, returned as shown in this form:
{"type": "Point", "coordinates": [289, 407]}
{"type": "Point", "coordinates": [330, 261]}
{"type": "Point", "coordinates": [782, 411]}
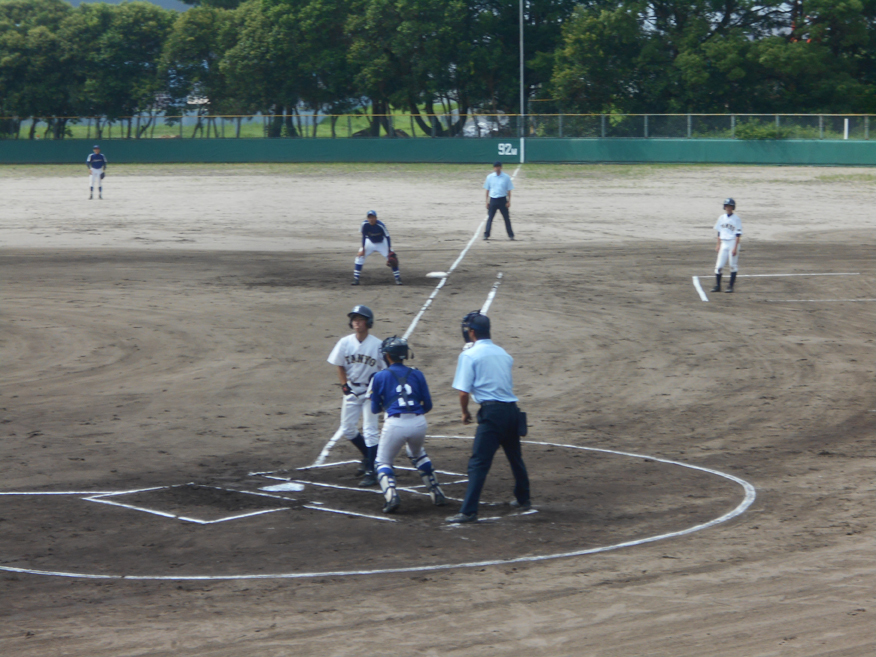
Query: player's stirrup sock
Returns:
{"type": "Point", "coordinates": [371, 456]}
{"type": "Point", "coordinates": [732, 278]}
{"type": "Point", "coordinates": [396, 273]}
{"type": "Point", "coordinates": [357, 271]}
{"type": "Point", "coordinates": [359, 442]}
{"type": "Point", "coordinates": [718, 280]}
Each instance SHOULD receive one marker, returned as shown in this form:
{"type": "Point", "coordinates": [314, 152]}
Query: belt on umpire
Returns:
{"type": "Point", "coordinates": [490, 402]}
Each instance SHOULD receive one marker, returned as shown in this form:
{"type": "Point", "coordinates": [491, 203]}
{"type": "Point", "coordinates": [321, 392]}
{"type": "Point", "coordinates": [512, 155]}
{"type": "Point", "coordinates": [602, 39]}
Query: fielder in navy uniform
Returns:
{"type": "Point", "coordinates": [729, 227]}
{"type": "Point", "coordinates": [483, 373]}
{"type": "Point", "coordinates": [357, 357]}
{"type": "Point", "coordinates": [96, 163]}
{"type": "Point", "coordinates": [403, 394]}
{"type": "Point", "coordinates": [498, 186]}
{"type": "Point", "coordinates": [375, 237]}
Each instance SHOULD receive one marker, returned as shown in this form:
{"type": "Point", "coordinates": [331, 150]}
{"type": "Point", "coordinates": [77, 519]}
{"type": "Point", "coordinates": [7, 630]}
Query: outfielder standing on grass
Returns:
{"type": "Point", "coordinates": [729, 227]}
{"type": "Point", "coordinates": [375, 237]}
{"type": "Point", "coordinates": [96, 163]}
{"type": "Point", "coordinates": [483, 373]}
{"type": "Point", "coordinates": [403, 394]}
{"type": "Point", "coordinates": [357, 357]}
{"type": "Point", "coordinates": [498, 186]}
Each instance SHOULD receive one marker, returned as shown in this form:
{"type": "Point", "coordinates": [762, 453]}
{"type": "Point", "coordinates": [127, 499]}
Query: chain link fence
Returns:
{"type": "Point", "coordinates": [315, 125]}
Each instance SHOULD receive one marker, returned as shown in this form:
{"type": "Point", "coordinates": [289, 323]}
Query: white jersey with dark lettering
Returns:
{"type": "Point", "coordinates": [729, 226]}
{"type": "Point", "coordinates": [361, 360]}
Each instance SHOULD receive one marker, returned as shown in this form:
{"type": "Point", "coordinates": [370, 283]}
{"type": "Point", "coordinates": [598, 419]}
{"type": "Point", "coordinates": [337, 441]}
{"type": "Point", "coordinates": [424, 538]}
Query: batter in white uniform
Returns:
{"type": "Point", "coordinates": [358, 358]}
{"type": "Point", "coordinates": [729, 227]}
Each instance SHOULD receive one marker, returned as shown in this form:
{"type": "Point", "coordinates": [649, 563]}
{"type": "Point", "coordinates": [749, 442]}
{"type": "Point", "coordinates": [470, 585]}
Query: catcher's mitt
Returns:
{"type": "Point", "coordinates": [392, 260]}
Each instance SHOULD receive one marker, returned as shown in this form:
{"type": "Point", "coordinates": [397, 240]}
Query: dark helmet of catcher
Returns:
{"type": "Point", "coordinates": [729, 201]}
{"type": "Point", "coordinates": [365, 312]}
{"type": "Point", "coordinates": [478, 322]}
{"type": "Point", "coordinates": [395, 347]}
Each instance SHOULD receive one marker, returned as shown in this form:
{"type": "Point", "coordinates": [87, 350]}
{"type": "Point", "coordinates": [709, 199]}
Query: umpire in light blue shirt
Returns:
{"type": "Point", "coordinates": [498, 186]}
{"type": "Point", "coordinates": [483, 373]}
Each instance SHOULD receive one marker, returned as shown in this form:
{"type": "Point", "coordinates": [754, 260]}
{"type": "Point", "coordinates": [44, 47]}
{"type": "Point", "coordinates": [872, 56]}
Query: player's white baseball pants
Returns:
{"type": "Point", "coordinates": [725, 254]}
{"type": "Point", "coordinates": [406, 429]}
{"type": "Point", "coordinates": [371, 247]}
{"type": "Point", "coordinates": [94, 178]}
{"type": "Point", "coordinates": [352, 408]}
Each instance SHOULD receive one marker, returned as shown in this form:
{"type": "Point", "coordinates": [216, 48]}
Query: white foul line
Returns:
{"type": "Point", "coordinates": [696, 282]}
{"type": "Point", "coordinates": [750, 496]}
{"type": "Point", "coordinates": [492, 294]}
{"type": "Point", "coordinates": [323, 455]}
{"type": "Point", "coordinates": [781, 275]}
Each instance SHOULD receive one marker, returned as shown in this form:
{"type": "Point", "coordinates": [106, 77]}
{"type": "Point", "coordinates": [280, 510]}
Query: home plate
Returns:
{"type": "Point", "coordinates": [437, 274]}
{"type": "Point", "coordinates": [289, 486]}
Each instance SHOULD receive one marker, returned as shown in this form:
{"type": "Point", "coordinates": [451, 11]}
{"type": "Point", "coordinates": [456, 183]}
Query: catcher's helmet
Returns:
{"type": "Point", "coordinates": [396, 347]}
{"type": "Point", "coordinates": [477, 321]}
{"type": "Point", "coordinates": [365, 312]}
{"type": "Point", "coordinates": [729, 201]}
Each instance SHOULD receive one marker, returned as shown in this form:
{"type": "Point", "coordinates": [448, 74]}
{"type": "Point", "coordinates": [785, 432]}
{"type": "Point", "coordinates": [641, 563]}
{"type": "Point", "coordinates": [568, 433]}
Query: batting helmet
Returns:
{"type": "Point", "coordinates": [396, 347]}
{"type": "Point", "coordinates": [477, 321]}
{"type": "Point", "coordinates": [729, 201]}
{"type": "Point", "coordinates": [365, 312]}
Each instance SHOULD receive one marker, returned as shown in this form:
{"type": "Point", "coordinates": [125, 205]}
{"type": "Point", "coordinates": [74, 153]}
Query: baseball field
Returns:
{"type": "Point", "coordinates": [702, 464]}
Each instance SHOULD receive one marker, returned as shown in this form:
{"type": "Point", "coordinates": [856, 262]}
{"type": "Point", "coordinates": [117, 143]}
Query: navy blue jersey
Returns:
{"type": "Point", "coordinates": [387, 393]}
{"type": "Point", "coordinates": [375, 233]}
{"type": "Point", "coordinates": [96, 161]}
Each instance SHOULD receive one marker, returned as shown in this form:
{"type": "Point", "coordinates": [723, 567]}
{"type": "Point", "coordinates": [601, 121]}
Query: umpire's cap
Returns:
{"type": "Point", "coordinates": [729, 201]}
{"type": "Point", "coordinates": [478, 322]}
{"type": "Point", "coordinates": [363, 311]}
{"type": "Point", "coordinates": [395, 347]}
{"type": "Point", "coordinates": [497, 163]}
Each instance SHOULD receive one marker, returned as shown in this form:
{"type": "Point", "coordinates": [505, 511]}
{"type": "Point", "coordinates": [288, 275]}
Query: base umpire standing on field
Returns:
{"type": "Point", "coordinates": [498, 186]}
{"type": "Point", "coordinates": [483, 373]}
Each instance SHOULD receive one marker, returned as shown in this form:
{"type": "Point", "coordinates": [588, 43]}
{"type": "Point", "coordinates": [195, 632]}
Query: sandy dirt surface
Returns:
{"type": "Point", "coordinates": [173, 337]}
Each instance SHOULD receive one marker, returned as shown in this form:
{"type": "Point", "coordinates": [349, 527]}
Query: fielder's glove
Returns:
{"type": "Point", "coordinates": [347, 390]}
{"type": "Point", "coordinates": [102, 176]}
{"type": "Point", "coordinates": [392, 260]}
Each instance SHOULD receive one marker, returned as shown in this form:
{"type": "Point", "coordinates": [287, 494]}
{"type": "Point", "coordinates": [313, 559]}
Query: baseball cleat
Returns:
{"type": "Point", "coordinates": [363, 467]}
{"type": "Point", "coordinates": [717, 288]}
{"type": "Point", "coordinates": [460, 518]}
{"type": "Point", "coordinates": [398, 281]}
{"type": "Point", "coordinates": [486, 238]}
{"type": "Point", "coordinates": [355, 281]}
{"type": "Point", "coordinates": [512, 239]}
{"type": "Point", "coordinates": [370, 479]}
{"type": "Point", "coordinates": [729, 290]}
{"type": "Point", "coordinates": [393, 503]}
{"type": "Point", "coordinates": [525, 506]}
{"type": "Point", "coordinates": [437, 496]}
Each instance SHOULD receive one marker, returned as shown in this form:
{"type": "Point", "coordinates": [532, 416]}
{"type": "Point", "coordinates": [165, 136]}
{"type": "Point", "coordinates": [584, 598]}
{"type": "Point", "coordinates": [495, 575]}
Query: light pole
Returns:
{"type": "Point", "coordinates": [522, 106]}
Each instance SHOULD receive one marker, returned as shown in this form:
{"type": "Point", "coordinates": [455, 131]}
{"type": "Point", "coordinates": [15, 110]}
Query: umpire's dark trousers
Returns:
{"type": "Point", "coordinates": [497, 427]}
{"type": "Point", "coordinates": [499, 204]}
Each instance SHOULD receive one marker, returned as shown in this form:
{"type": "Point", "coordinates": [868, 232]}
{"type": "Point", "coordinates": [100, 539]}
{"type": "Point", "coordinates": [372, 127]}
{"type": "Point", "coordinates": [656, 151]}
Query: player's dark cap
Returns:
{"type": "Point", "coordinates": [371, 213]}
{"type": "Point", "coordinates": [395, 347]}
{"type": "Point", "coordinates": [497, 163]}
{"type": "Point", "coordinates": [95, 146]}
{"type": "Point", "coordinates": [363, 311]}
{"type": "Point", "coordinates": [729, 201]}
{"type": "Point", "coordinates": [478, 322]}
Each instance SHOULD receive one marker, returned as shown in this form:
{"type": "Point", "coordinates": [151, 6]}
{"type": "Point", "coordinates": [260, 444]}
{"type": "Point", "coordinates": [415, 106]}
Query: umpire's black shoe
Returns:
{"type": "Point", "coordinates": [370, 479]}
{"type": "Point", "coordinates": [520, 506]}
{"type": "Point", "coordinates": [486, 238]}
{"type": "Point", "coordinates": [717, 288]}
{"type": "Point", "coordinates": [460, 518]}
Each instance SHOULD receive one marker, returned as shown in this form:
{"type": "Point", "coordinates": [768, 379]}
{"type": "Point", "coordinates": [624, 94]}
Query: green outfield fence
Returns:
{"type": "Point", "coordinates": [510, 151]}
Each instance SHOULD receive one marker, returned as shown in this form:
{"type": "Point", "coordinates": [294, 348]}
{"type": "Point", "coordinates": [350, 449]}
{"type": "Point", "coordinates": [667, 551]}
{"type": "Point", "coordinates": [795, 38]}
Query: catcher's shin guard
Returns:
{"type": "Point", "coordinates": [386, 479]}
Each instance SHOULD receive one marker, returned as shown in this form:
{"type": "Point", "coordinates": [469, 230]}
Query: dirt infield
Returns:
{"type": "Point", "coordinates": [172, 339]}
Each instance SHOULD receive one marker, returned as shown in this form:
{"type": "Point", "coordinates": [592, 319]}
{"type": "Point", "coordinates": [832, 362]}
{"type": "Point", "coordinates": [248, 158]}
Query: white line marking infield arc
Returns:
{"type": "Point", "coordinates": [749, 497]}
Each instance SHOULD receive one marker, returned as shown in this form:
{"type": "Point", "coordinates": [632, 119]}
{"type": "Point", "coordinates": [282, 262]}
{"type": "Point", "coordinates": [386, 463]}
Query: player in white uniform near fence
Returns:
{"type": "Point", "coordinates": [729, 227]}
{"type": "Point", "coordinates": [357, 357]}
{"type": "Point", "coordinates": [402, 392]}
{"type": "Point", "coordinates": [96, 163]}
